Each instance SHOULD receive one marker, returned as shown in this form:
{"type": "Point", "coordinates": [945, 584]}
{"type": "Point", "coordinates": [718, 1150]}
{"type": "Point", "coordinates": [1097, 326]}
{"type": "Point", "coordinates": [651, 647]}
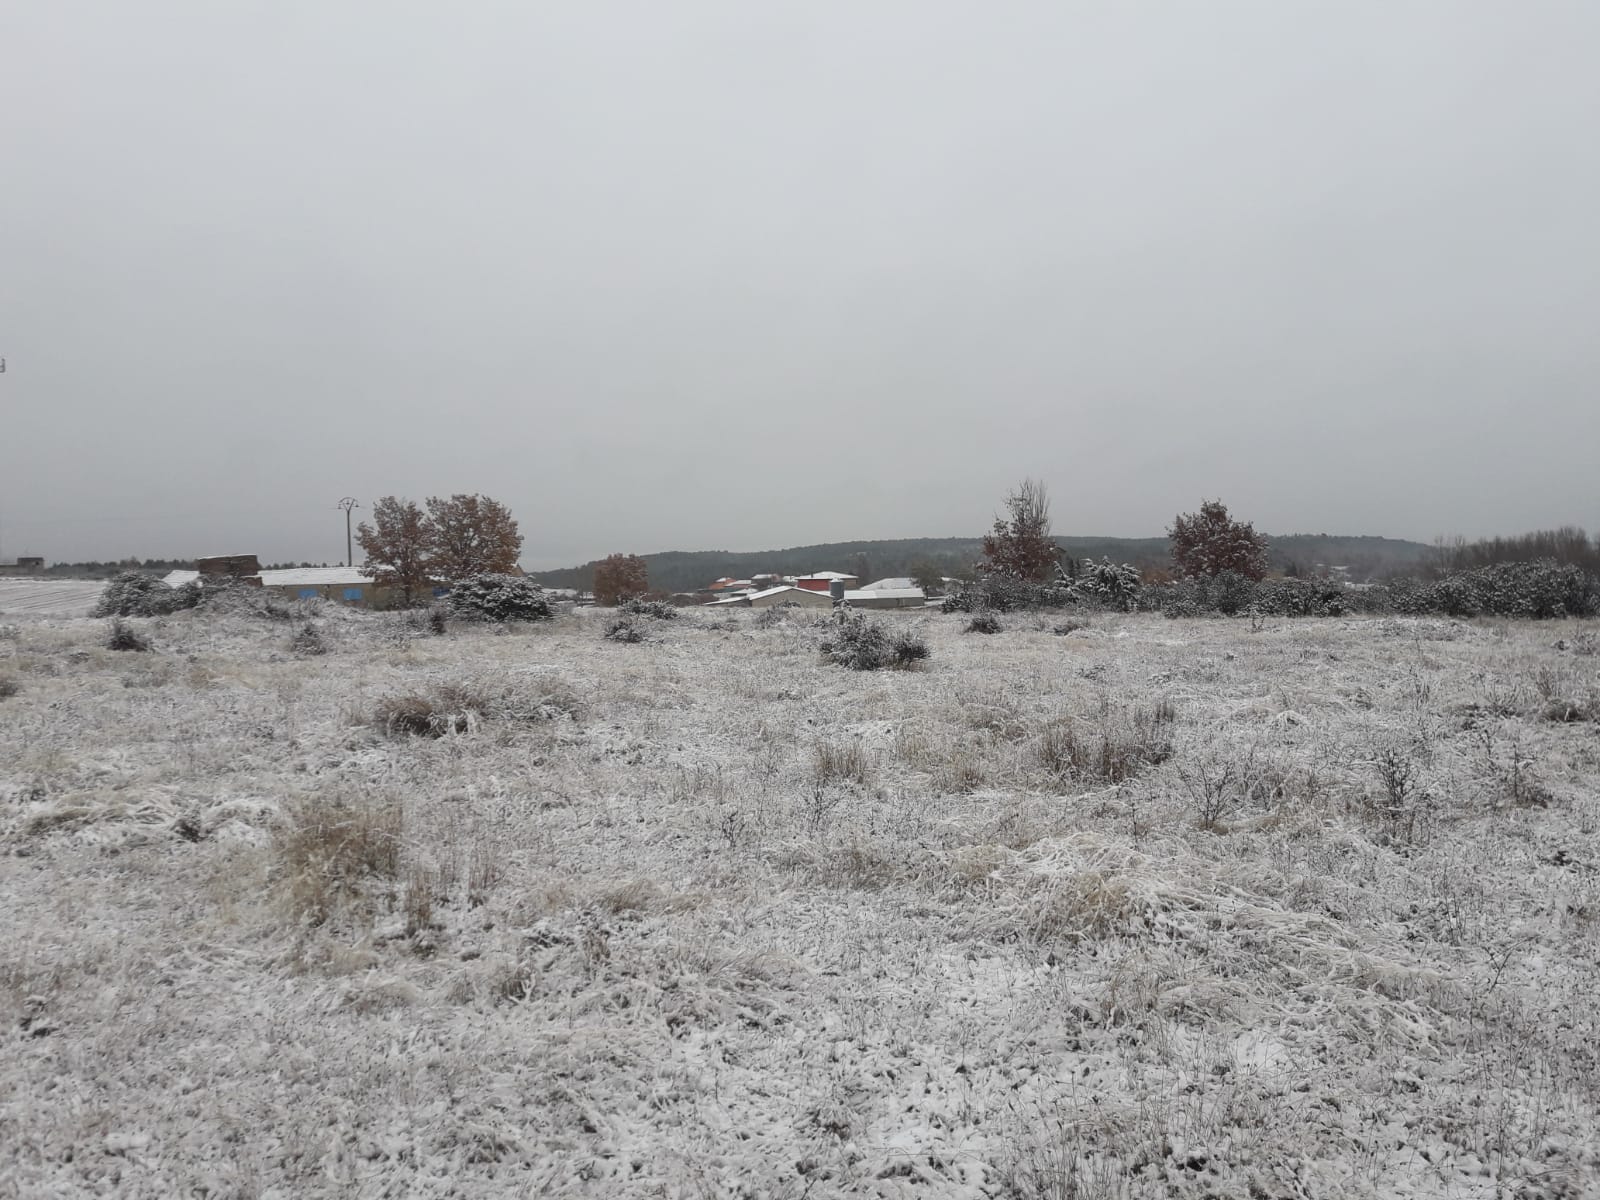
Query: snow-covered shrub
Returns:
{"type": "Point", "coordinates": [1002, 593]}
{"type": "Point", "coordinates": [133, 594]}
{"type": "Point", "coordinates": [1540, 590]}
{"type": "Point", "coordinates": [623, 629]}
{"type": "Point", "coordinates": [1530, 590]}
{"type": "Point", "coordinates": [1230, 592]}
{"type": "Point", "coordinates": [984, 622]}
{"type": "Point", "coordinates": [499, 598]}
{"type": "Point", "coordinates": [1298, 598]}
{"type": "Point", "coordinates": [123, 636]}
{"type": "Point", "coordinates": [637, 606]}
{"type": "Point", "coordinates": [1105, 583]}
{"type": "Point", "coordinates": [864, 645]}
{"type": "Point", "coordinates": [308, 641]}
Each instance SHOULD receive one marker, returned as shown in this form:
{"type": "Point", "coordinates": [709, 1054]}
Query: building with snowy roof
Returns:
{"type": "Point", "coordinates": [822, 581]}
{"type": "Point", "coordinates": [346, 585]}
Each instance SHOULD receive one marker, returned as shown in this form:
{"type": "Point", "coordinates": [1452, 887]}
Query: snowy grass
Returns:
{"type": "Point", "coordinates": [1143, 908]}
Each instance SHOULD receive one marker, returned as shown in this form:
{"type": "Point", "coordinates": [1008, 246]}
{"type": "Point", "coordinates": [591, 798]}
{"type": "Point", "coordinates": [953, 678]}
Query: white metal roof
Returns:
{"type": "Point", "coordinates": [316, 577]}
{"type": "Point", "coordinates": [894, 583]}
{"type": "Point", "coordinates": [884, 594]}
{"type": "Point", "coordinates": [735, 598]}
{"type": "Point", "coordinates": [829, 575]}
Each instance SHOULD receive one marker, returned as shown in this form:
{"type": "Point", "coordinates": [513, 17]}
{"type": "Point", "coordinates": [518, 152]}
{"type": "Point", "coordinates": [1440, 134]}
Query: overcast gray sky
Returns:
{"type": "Point", "coordinates": [696, 275]}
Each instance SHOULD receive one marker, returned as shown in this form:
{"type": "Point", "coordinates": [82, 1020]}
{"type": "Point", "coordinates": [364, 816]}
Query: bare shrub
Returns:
{"type": "Point", "coordinates": [834, 762]}
{"type": "Point", "coordinates": [123, 636]}
{"type": "Point", "coordinates": [9, 686]}
{"type": "Point", "coordinates": [1223, 780]}
{"type": "Point", "coordinates": [984, 622]}
{"type": "Point", "coordinates": [326, 851]}
{"type": "Point", "coordinates": [1402, 809]}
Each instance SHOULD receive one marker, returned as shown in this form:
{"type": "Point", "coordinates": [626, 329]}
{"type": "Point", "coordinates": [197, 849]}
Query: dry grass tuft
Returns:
{"type": "Point", "coordinates": [459, 707]}
{"type": "Point", "coordinates": [1111, 750]}
{"type": "Point", "coordinates": [840, 762]}
{"type": "Point", "coordinates": [419, 715]}
{"type": "Point", "coordinates": [326, 852]}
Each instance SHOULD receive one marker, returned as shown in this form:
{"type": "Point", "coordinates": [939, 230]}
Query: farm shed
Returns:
{"type": "Point", "coordinates": [821, 581]}
{"type": "Point", "coordinates": [772, 597]}
{"type": "Point", "coordinates": [886, 598]}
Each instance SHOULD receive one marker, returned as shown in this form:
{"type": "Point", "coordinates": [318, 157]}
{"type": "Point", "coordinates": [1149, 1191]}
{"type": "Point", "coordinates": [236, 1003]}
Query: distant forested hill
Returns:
{"type": "Point", "coordinates": [686, 570]}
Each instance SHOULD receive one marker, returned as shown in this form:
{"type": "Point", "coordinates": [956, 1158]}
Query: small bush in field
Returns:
{"type": "Point", "coordinates": [659, 609]}
{"type": "Point", "coordinates": [308, 641]}
{"type": "Point", "coordinates": [8, 687]}
{"type": "Point", "coordinates": [499, 598]}
{"type": "Point", "coordinates": [864, 645]}
{"type": "Point", "coordinates": [623, 629]}
{"type": "Point", "coordinates": [436, 620]}
{"type": "Point", "coordinates": [125, 637]}
{"type": "Point", "coordinates": [984, 622]}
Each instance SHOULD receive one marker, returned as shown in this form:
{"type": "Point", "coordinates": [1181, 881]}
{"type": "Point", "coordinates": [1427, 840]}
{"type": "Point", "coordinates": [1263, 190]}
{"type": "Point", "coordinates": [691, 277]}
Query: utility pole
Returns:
{"type": "Point", "coordinates": [348, 503]}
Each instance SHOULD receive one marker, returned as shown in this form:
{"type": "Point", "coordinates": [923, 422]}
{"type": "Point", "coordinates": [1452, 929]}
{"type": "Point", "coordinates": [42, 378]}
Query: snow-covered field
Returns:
{"type": "Point", "coordinates": [49, 597]}
{"type": "Point", "coordinates": [1146, 908]}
